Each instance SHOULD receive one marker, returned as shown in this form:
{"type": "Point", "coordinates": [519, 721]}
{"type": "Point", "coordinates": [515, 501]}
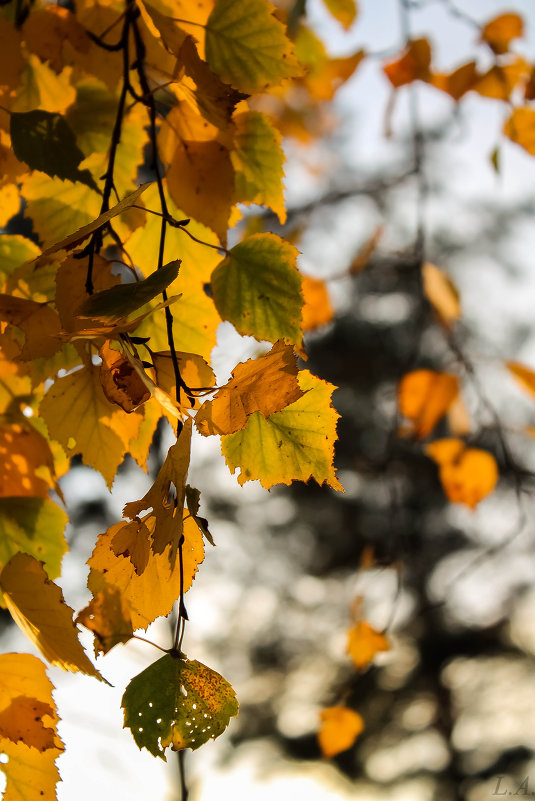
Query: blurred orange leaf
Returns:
{"type": "Point", "coordinates": [520, 128]}
{"type": "Point", "coordinates": [339, 729]}
{"type": "Point", "coordinates": [317, 309]}
{"type": "Point", "coordinates": [467, 474]}
{"type": "Point", "coordinates": [363, 642]}
{"type": "Point", "coordinates": [424, 397]}
{"type": "Point", "coordinates": [441, 293]}
{"type": "Point", "coordinates": [524, 376]}
{"type": "Point", "coordinates": [500, 31]}
{"type": "Point", "coordinates": [413, 64]}
{"type": "Point", "coordinates": [363, 256]}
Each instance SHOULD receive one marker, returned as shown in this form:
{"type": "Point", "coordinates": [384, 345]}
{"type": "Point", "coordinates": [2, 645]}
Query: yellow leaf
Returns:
{"type": "Point", "coordinates": [500, 80]}
{"type": "Point", "coordinates": [9, 202]}
{"type": "Point", "coordinates": [363, 642]}
{"type": "Point", "coordinates": [132, 582]}
{"type": "Point", "coordinates": [425, 396]}
{"type": "Point", "coordinates": [317, 309]}
{"type": "Point", "coordinates": [247, 46]}
{"type": "Point", "coordinates": [28, 736]}
{"type": "Point", "coordinates": [500, 31]}
{"type": "Point", "coordinates": [105, 433]}
{"type": "Point", "coordinates": [258, 162]}
{"type": "Point", "coordinates": [441, 293]}
{"type": "Point", "coordinates": [71, 289]}
{"type": "Point", "coordinates": [200, 180]}
{"type": "Point", "coordinates": [339, 729]}
{"type": "Point", "coordinates": [257, 288]}
{"type": "Point", "coordinates": [413, 64]}
{"type": "Point", "coordinates": [71, 195]}
{"type": "Point", "coordinates": [23, 452]}
{"type": "Point", "coordinates": [467, 474]}
{"type": "Point", "coordinates": [15, 250]}
{"type": "Point", "coordinates": [293, 445]}
{"type": "Point", "coordinates": [171, 478]}
{"type": "Point", "coordinates": [37, 607]}
{"type": "Point", "coordinates": [520, 128]}
{"type": "Point", "coordinates": [345, 11]}
{"type": "Point", "coordinates": [47, 29]}
{"type": "Point", "coordinates": [264, 385]}
{"type": "Point", "coordinates": [324, 75]}
{"type": "Point", "coordinates": [140, 444]}
{"type": "Point", "coordinates": [195, 372]}
{"type": "Point", "coordinates": [39, 323]}
{"type": "Point", "coordinates": [42, 88]}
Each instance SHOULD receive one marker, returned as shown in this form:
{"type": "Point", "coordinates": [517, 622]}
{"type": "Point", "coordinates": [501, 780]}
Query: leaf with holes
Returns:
{"type": "Point", "coordinates": [177, 702]}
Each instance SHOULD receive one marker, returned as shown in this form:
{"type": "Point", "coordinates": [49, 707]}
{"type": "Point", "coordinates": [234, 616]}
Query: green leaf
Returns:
{"type": "Point", "coordinates": [45, 142]}
{"type": "Point", "coordinates": [122, 300]}
{"type": "Point", "coordinates": [295, 444]}
{"type": "Point", "coordinates": [177, 702]}
{"type": "Point", "coordinates": [34, 526]}
{"type": "Point", "coordinates": [247, 46]}
{"type": "Point", "coordinates": [258, 162]}
{"type": "Point", "coordinates": [258, 289]}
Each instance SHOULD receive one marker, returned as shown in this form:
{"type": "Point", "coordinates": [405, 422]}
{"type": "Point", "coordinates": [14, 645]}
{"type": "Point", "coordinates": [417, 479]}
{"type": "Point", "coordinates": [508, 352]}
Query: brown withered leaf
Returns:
{"type": "Point", "coordinates": [266, 385]}
{"type": "Point", "coordinates": [120, 382]}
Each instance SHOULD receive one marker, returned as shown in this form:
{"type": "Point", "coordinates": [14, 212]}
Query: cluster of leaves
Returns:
{"type": "Point", "coordinates": [92, 360]}
{"type": "Point", "coordinates": [92, 356]}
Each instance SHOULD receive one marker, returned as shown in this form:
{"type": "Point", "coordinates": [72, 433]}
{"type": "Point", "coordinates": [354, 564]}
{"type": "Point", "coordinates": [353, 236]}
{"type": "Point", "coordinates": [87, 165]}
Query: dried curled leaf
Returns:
{"type": "Point", "coordinates": [177, 702]}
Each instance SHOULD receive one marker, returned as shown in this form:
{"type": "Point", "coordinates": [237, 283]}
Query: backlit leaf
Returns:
{"type": "Point", "coordinates": [266, 385]}
{"type": "Point", "coordinates": [413, 64]}
{"type": "Point", "coordinates": [258, 162]}
{"type": "Point", "coordinates": [295, 444]}
{"type": "Point", "coordinates": [26, 462]}
{"type": "Point", "coordinates": [28, 739]}
{"type": "Point", "coordinates": [441, 293]}
{"type": "Point", "coordinates": [120, 382]}
{"type": "Point", "coordinates": [39, 323]}
{"type": "Point", "coordinates": [72, 240]}
{"type": "Point", "coordinates": [258, 289]}
{"type": "Point", "coordinates": [15, 250]}
{"type": "Point", "coordinates": [363, 642]}
{"type": "Point", "coordinates": [467, 474]}
{"type": "Point", "coordinates": [247, 46]}
{"type": "Point", "coordinates": [101, 440]}
{"type": "Point", "coordinates": [500, 31]}
{"type": "Point", "coordinates": [41, 88]}
{"type": "Point", "coordinates": [37, 606]}
{"type": "Point", "coordinates": [502, 79]}
{"type": "Point", "coordinates": [520, 128]}
{"type": "Point", "coordinates": [34, 526]}
{"type": "Point", "coordinates": [131, 584]}
{"type": "Point", "coordinates": [177, 702]}
{"type": "Point", "coordinates": [424, 397]}
{"type": "Point", "coordinates": [166, 508]}
{"type": "Point", "coordinates": [345, 11]}
{"type": "Point", "coordinates": [339, 729]}
{"type": "Point", "coordinates": [317, 309]}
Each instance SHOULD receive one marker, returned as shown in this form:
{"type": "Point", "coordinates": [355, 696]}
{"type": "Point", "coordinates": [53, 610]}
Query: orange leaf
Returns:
{"type": "Point", "coordinates": [37, 606]}
{"type": "Point", "coordinates": [363, 642]}
{"type": "Point", "coordinates": [339, 729]}
{"type": "Point", "coordinates": [317, 309]}
{"type": "Point", "coordinates": [167, 511]}
{"type": "Point", "coordinates": [500, 31]}
{"type": "Point", "coordinates": [520, 128]}
{"type": "Point", "coordinates": [467, 474]}
{"type": "Point", "coordinates": [413, 64]}
{"type": "Point", "coordinates": [500, 81]}
{"type": "Point", "coordinates": [524, 376]}
{"type": "Point", "coordinates": [266, 385]}
{"type": "Point", "coordinates": [442, 294]}
{"type": "Point", "coordinates": [425, 396]}
{"type": "Point", "coordinates": [458, 82]}
{"type": "Point", "coordinates": [39, 323]}
{"type": "Point", "coordinates": [23, 451]}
